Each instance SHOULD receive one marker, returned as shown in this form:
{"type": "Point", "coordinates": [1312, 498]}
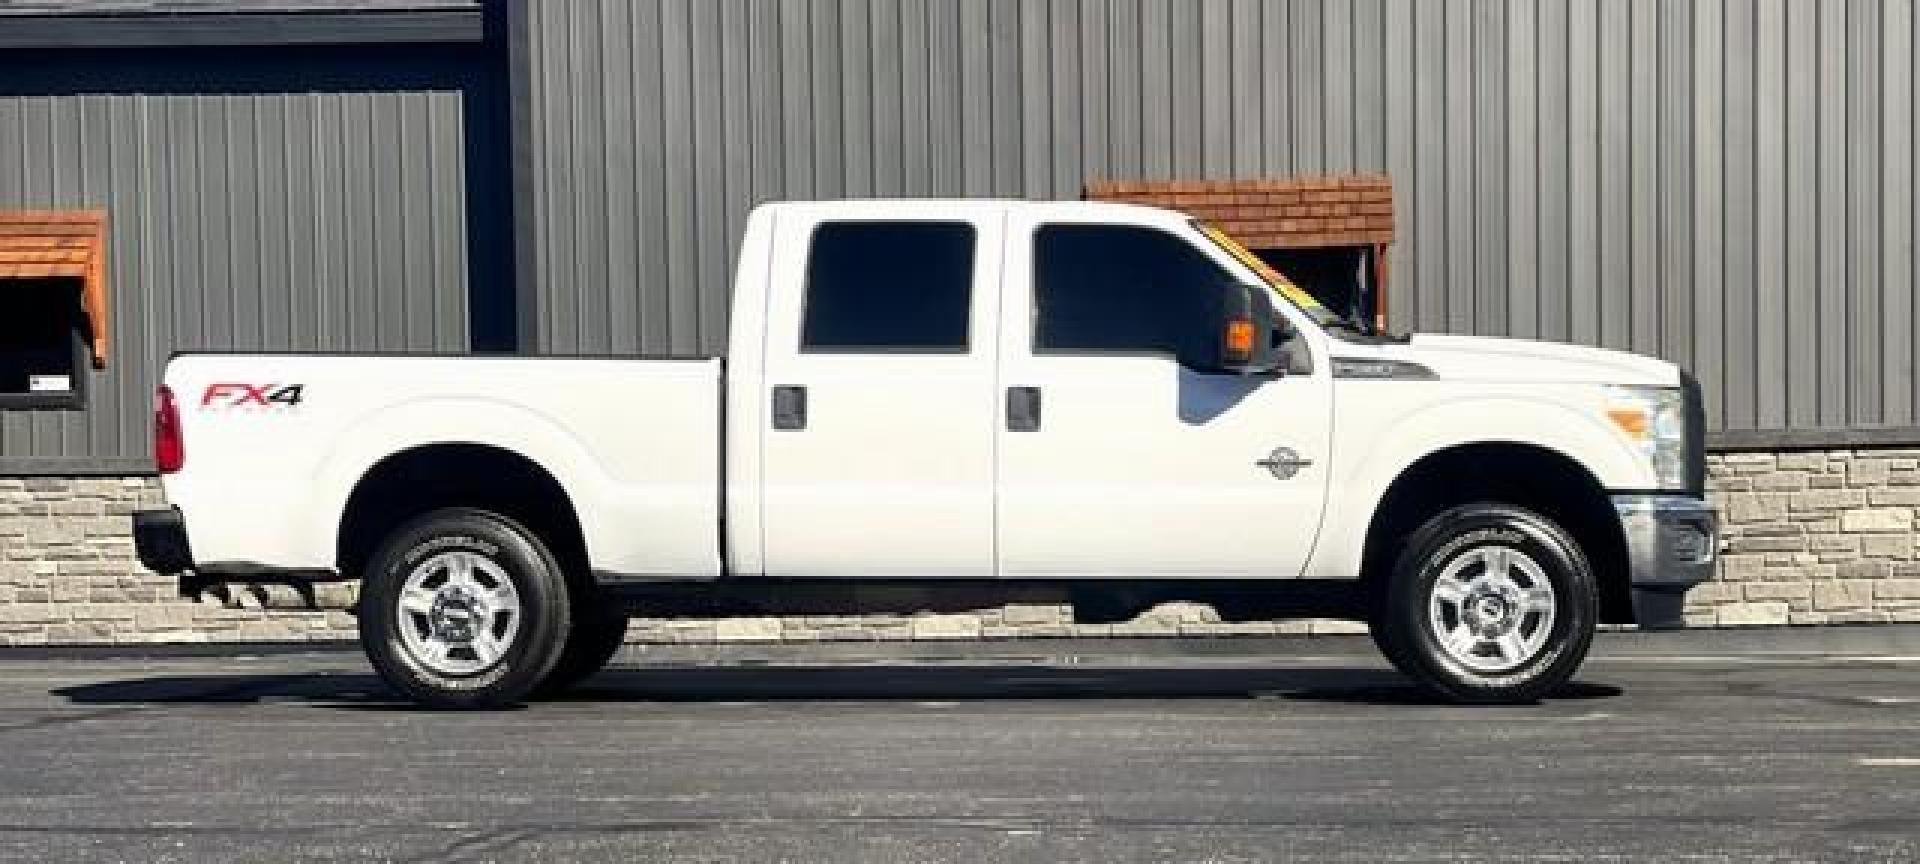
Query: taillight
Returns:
{"type": "Point", "coordinates": [169, 449]}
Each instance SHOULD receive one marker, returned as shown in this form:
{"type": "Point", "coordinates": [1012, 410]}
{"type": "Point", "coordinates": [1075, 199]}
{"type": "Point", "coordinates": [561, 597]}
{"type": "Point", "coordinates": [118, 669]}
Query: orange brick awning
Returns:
{"type": "Point", "coordinates": [1292, 213]}
{"type": "Point", "coordinates": [46, 244]}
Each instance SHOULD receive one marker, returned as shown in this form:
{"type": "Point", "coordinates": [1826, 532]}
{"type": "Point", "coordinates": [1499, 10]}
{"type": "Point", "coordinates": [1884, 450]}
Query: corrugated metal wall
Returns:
{"type": "Point", "coordinates": [253, 206]}
{"type": "Point", "coordinates": [1727, 183]}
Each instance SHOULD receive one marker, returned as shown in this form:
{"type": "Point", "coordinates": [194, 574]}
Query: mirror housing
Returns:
{"type": "Point", "coordinates": [1245, 323]}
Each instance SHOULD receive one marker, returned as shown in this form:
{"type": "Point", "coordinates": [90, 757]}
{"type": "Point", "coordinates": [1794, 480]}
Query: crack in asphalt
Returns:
{"type": "Point", "coordinates": [480, 844]}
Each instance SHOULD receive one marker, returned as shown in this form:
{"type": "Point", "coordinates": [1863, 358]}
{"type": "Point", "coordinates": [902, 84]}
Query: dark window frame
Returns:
{"type": "Point", "coordinates": [966, 346]}
{"type": "Point", "coordinates": [1033, 296]}
{"type": "Point", "coordinates": [74, 399]}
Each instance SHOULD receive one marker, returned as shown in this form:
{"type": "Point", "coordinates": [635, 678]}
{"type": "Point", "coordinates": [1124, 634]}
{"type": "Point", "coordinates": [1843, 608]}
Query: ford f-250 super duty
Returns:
{"type": "Point", "coordinates": [977, 398]}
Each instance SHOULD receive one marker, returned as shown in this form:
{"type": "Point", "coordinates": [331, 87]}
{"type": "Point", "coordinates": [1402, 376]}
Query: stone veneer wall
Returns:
{"type": "Point", "coordinates": [1819, 537]}
{"type": "Point", "coordinates": [68, 575]}
{"type": "Point", "coordinates": [1813, 537]}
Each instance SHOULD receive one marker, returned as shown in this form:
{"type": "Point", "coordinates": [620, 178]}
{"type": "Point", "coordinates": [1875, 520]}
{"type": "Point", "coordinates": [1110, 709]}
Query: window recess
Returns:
{"type": "Point", "coordinates": [53, 310]}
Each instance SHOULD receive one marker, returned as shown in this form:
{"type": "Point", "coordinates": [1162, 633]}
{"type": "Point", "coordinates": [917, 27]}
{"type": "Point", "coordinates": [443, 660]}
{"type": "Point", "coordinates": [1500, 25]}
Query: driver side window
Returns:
{"type": "Point", "coordinates": [1121, 289]}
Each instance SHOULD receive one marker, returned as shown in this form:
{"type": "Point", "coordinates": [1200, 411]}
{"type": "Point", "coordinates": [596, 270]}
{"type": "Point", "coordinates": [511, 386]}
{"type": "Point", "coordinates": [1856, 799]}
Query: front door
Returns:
{"type": "Point", "coordinates": [879, 381]}
{"type": "Point", "coordinates": [1116, 461]}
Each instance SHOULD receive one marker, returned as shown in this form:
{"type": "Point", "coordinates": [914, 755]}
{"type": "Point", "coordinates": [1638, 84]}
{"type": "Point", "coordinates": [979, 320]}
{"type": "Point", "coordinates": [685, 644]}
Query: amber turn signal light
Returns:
{"type": "Point", "coordinates": [1239, 341]}
{"type": "Point", "coordinates": [1632, 421]}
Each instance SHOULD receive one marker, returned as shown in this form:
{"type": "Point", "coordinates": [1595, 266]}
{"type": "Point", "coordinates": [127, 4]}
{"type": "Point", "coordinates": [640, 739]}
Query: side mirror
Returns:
{"type": "Point", "coordinates": [1243, 332]}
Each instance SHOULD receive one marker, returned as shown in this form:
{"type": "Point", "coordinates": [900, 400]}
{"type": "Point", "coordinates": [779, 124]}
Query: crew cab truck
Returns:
{"type": "Point", "coordinates": [941, 404]}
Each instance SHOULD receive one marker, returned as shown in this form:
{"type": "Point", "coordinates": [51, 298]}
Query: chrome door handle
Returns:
{"type": "Point", "coordinates": [1283, 463]}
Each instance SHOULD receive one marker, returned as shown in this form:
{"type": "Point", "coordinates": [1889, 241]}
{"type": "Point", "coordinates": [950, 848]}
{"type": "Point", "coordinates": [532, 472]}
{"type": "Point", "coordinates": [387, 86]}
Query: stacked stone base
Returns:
{"type": "Point", "coordinates": [1822, 537]}
{"type": "Point", "coordinates": [1815, 537]}
{"type": "Point", "coordinates": [68, 575]}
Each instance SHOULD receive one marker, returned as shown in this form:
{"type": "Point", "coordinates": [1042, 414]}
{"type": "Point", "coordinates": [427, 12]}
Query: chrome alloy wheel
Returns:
{"type": "Point", "coordinates": [1491, 609]}
{"type": "Point", "coordinates": [459, 612]}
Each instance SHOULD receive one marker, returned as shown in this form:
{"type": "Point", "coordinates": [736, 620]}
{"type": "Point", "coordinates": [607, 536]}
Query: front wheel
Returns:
{"type": "Point", "coordinates": [463, 608]}
{"type": "Point", "coordinates": [1488, 603]}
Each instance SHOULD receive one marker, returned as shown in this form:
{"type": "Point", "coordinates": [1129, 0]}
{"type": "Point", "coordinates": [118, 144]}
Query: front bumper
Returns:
{"type": "Point", "coordinates": [160, 539]}
{"type": "Point", "coordinates": [1672, 541]}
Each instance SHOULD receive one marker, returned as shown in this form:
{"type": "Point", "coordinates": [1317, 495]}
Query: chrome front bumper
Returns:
{"type": "Point", "coordinates": [1672, 541]}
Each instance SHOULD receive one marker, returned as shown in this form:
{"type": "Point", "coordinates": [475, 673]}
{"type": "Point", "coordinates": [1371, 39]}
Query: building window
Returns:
{"type": "Point", "coordinates": [889, 287]}
{"type": "Point", "coordinates": [1327, 235]}
{"type": "Point", "coordinates": [43, 344]}
{"type": "Point", "coordinates": [1340, 277]}
{"type": "Point", "coordinates": [1117, 289]}
{"type": "Point", "coordinates": [53, 305]}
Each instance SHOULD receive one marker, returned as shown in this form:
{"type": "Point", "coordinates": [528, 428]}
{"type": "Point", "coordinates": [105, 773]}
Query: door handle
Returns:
{"type": "Point", "coordinates": [1023, 409]}
{"type": "Point", "coordinates": [789, 407]}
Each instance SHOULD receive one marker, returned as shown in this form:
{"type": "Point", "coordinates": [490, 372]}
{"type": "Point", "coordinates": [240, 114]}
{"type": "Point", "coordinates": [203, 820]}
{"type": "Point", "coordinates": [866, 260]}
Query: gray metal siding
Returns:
{"type": "Point", "coordinates": [248, 219]}
{"type": "Point", "coordinates": [1725, 183]}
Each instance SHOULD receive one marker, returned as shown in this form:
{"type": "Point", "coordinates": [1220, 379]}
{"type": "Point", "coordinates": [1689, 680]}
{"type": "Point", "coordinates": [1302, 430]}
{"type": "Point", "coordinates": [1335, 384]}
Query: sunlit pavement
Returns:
{"type": "Point", "coordinates": [1787, 745]}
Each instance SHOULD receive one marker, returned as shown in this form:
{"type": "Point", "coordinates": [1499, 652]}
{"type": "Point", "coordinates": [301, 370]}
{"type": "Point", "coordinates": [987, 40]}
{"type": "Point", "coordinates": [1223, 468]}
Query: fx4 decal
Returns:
{"type": "Point", "coordinates": [239, 394]}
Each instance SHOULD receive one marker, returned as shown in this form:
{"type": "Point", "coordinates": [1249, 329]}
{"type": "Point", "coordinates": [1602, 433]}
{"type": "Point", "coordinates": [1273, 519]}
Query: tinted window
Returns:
{"type": "Point", "coordinates": [888, 286]}
{"type": "Point", "coordinates": [1122, 289]}
{"type": "Point", "coordinates": [42, 352]}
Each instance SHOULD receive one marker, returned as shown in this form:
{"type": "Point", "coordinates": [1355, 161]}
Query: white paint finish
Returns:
{"type": "Point", "coordinates": [1143, 469]}
{"type": "Point", "coordinates": [893, 474]}
{"type": "Point", "coordinates": [1545, 394]}
{"type": "Point", "coordinates": [746, 419]}
{"type": "Point", "coordinates": [635, 444]}
{"type": "Point", "coordinates": [1382, 427]}
{"type": "Point", "coordinates": [1140, 470]}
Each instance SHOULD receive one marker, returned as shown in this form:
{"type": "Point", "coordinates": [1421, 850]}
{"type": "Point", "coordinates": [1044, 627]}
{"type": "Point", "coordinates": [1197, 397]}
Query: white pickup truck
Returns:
{"type": "Point", "coordinates": [974, 399]}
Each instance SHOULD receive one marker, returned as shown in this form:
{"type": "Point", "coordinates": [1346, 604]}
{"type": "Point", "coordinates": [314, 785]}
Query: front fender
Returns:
{"type": "Point", "coordinates": [1374, 452]}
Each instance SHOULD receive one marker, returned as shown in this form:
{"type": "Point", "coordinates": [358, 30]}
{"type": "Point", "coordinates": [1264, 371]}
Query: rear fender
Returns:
{"type": "Point", "coordinates": [506, 426]}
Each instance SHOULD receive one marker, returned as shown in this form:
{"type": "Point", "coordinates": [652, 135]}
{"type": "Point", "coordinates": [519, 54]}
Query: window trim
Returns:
{"type": "Point", "coordinates": [966, 347]}
{"type": "Point", "coordinates": [1033, 296]}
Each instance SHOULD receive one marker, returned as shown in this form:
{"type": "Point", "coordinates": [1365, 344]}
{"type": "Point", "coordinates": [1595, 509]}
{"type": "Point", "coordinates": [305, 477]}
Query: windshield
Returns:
{"type": "Point", "coordinates": [1301, 299]}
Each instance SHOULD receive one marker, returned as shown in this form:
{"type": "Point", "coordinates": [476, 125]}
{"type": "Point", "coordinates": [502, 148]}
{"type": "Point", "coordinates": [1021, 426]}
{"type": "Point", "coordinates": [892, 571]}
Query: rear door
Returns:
{"type": "Point", "coordinates": [882, 324]}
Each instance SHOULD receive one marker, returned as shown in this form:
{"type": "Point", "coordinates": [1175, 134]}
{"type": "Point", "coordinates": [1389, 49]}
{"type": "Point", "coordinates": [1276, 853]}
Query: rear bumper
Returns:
{"type": "Point", "coordinates": [1672, 543]}
{"type": "Point", "coordinates": [160, 539]}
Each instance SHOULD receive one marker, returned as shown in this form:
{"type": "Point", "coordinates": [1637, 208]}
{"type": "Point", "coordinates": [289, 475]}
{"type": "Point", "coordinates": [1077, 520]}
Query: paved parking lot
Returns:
{"type": "Point", "coordinates": [1754, 745]}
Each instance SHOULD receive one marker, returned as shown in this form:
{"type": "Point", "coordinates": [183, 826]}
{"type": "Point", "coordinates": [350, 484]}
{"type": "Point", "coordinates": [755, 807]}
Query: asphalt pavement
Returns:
{"type": "Point", "coordinates": [1774, 745]}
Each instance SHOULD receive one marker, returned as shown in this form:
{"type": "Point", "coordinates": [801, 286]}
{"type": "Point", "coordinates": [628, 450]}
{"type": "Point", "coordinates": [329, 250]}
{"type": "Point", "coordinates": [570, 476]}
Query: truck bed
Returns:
{"type": "Point", "coordinates": [636, 443]}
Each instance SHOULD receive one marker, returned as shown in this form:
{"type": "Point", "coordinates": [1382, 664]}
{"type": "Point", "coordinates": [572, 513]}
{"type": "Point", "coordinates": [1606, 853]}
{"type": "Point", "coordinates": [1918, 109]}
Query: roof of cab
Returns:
{"type": "Point", "coordinates": [950, 206]}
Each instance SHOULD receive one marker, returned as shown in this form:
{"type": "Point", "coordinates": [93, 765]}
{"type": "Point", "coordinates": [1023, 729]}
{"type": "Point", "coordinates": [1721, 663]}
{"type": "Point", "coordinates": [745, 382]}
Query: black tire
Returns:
{"type": "Point", "coordinates": [1484, 671]}
{"type": "Point", "coordinates": [493, 545]}
{"type": "Point", "coordinates": [596, 636]}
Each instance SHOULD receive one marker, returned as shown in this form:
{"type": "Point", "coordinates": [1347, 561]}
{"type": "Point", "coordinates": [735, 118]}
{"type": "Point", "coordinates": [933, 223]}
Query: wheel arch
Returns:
{"type": "Point", "coordinates": [426, 477]}
{"type": "Point", "coordinates": [1532, 476]}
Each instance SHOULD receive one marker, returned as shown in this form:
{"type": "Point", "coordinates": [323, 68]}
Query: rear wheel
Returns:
{"type": "Point", "coordinates": [462, 608]}
{"type": "Point", "coordinates": [1488, 603]}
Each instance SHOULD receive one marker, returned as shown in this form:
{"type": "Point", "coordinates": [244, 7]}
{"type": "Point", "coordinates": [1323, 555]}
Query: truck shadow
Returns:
{"type": "Point", "coordinates": [823, 684]}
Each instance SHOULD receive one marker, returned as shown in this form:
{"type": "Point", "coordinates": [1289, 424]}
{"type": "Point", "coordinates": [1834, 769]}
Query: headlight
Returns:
{"type": "Point", "coordinates": [1654, 419]}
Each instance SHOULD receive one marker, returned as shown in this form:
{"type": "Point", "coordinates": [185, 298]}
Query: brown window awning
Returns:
{"type": "Point", "coordinates": [1340, 211]}
{"type": "Point", "coordinates": [1291, 213]}
{"type": "Point", "coordinates": [44, 244]}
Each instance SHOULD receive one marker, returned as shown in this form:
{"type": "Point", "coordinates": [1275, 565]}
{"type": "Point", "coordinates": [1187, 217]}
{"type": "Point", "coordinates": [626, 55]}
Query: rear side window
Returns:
{"type": "Point", "coordinates": [888, 287]}
{"type": "Point", "coordinates": [1121, 289]}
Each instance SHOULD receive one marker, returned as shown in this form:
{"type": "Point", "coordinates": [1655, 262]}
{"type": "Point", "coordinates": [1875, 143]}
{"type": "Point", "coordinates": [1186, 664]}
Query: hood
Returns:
{"type": "Point", "coordinates": [1481, 358]}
